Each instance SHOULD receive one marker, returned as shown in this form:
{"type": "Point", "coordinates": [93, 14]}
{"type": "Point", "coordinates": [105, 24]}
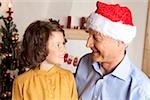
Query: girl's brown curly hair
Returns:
{"type": "Point", "coordinates": [35, 40]}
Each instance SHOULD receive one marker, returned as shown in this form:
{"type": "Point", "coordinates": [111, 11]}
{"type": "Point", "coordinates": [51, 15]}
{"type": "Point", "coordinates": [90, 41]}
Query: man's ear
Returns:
{"type": "Point", "coordinates": [121, 43]}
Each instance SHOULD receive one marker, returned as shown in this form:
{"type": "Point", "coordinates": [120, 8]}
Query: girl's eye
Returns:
{"type": "Point", "coordinates": [60, 45]}
{"type": "Point", "coordinates": [64, 43]}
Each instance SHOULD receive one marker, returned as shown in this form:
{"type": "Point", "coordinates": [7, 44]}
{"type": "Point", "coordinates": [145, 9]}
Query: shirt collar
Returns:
{"type": "Point", "coordinates": [122, 71]}
{"type": "Point", "coordinates": [53, 70]}
{"type": "Point", "coordinates": [96, 67]}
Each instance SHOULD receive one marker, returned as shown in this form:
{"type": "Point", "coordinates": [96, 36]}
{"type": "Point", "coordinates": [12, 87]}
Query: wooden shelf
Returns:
{"type": "Point", "coordinates": [76, 34]}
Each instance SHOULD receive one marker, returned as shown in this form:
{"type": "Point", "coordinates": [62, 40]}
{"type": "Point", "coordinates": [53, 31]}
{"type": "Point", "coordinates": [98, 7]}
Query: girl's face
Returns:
{"type": "Point", "coordinates": [56, 48]}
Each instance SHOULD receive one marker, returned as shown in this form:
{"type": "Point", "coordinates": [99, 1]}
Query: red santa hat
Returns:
{"type": "Point", "coordinates": [114, 21]}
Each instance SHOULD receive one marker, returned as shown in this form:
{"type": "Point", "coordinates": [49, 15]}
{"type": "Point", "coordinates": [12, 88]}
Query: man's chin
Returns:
{"type": "Point", "coordinates": [95, 55]}
{"type": "Point", "coordinates": [96, 58]}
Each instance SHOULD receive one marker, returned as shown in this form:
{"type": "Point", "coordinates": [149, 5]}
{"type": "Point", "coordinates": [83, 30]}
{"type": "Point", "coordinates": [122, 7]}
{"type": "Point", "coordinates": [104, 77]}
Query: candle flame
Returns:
{"type": "Point", "coordinates": [9, 4]}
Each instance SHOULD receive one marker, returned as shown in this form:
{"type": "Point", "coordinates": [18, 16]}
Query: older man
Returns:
{"type": "Point", "coordinates": [107, 73]}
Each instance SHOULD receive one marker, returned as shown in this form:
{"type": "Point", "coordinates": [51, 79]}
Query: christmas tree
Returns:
{"type": "Point", "coordinates": [9, 51]}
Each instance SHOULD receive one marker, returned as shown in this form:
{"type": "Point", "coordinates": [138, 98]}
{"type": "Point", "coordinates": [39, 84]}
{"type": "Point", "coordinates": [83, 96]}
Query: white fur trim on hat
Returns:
{"type": "Point", "coordinates": [116, 30]}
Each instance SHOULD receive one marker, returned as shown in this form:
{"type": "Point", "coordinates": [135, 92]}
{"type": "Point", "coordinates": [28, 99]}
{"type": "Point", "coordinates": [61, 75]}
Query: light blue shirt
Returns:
{"type": "Point", "coordinates": [126, 82]}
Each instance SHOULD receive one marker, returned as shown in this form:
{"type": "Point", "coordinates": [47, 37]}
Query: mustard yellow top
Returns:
{"type": "Point", "coordinates": [55, 84]}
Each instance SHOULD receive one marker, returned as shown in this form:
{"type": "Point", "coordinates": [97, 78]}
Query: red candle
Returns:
{"type": "Point", "coordinates": [69, 22]}
{"type": "Point", "coordinates": [66, 57]}
{"type": "Point", "coordinates": [82, 23]}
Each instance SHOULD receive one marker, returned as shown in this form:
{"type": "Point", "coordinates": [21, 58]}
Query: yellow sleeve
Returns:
{"type": "Point", "coordinates": [73, 92]}
{"type": "Point", "coordinates": [17, 90]}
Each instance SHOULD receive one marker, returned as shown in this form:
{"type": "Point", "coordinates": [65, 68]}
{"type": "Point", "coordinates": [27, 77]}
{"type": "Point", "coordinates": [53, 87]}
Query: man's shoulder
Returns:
{"type": "Point", "coordinates": [140, 82]}
{"type": "Point", "coordinates": [139, 76]}
{"type": "Point", "coordinates": [85, 57]}
{"type": "Point", "coordinates": [141, 89]}
{"type": "Point", "coordinates": [84, 63]}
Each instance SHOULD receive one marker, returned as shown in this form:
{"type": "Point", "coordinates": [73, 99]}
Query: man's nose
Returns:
{"type": "Point", "coordinates": [89, 43]}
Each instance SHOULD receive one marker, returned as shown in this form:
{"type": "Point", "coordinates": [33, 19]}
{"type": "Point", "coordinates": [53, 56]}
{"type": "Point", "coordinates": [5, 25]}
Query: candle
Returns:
{"type": "Point", "coordinates": [69, 22]}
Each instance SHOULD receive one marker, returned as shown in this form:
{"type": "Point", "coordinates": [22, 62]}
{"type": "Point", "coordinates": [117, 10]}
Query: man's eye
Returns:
{"type": "Point", "coordinates": [95, 37]}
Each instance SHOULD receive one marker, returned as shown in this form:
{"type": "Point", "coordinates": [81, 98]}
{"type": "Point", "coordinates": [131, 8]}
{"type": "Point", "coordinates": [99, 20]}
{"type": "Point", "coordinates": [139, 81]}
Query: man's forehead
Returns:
{"type": "Point", "coordinates": [93, 32]}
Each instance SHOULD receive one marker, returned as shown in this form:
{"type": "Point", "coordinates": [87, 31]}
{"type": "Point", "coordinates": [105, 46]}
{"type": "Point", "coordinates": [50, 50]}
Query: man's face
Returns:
{"type": "Point", "coordinates": [104, 48]}
{"type": "Point", "coordinates": [56, 48]}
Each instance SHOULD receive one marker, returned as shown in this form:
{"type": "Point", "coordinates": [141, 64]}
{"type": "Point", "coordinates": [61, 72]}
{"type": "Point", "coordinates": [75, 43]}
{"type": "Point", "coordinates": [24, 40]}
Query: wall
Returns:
{"type": "Point", "coordinates": [146, 62]}
{"type": "Point", "coordinates": [26, 11]}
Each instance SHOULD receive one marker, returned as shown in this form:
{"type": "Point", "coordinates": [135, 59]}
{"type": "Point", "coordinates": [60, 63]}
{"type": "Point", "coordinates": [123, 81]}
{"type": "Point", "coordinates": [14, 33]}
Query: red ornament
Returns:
{"type": "Point", "coordinates": [9, 18]}
{"type": "Point", "coordinates": [65, 57]}
{"type": "Point", "coordinates": [69, 61]}
{"type": "Point", "coordinates": [75, 62]}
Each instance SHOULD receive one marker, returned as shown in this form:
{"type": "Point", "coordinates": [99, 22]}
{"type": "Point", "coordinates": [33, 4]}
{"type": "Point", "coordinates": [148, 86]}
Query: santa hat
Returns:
{"type": "Point", "coordinates": [114, 21]}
